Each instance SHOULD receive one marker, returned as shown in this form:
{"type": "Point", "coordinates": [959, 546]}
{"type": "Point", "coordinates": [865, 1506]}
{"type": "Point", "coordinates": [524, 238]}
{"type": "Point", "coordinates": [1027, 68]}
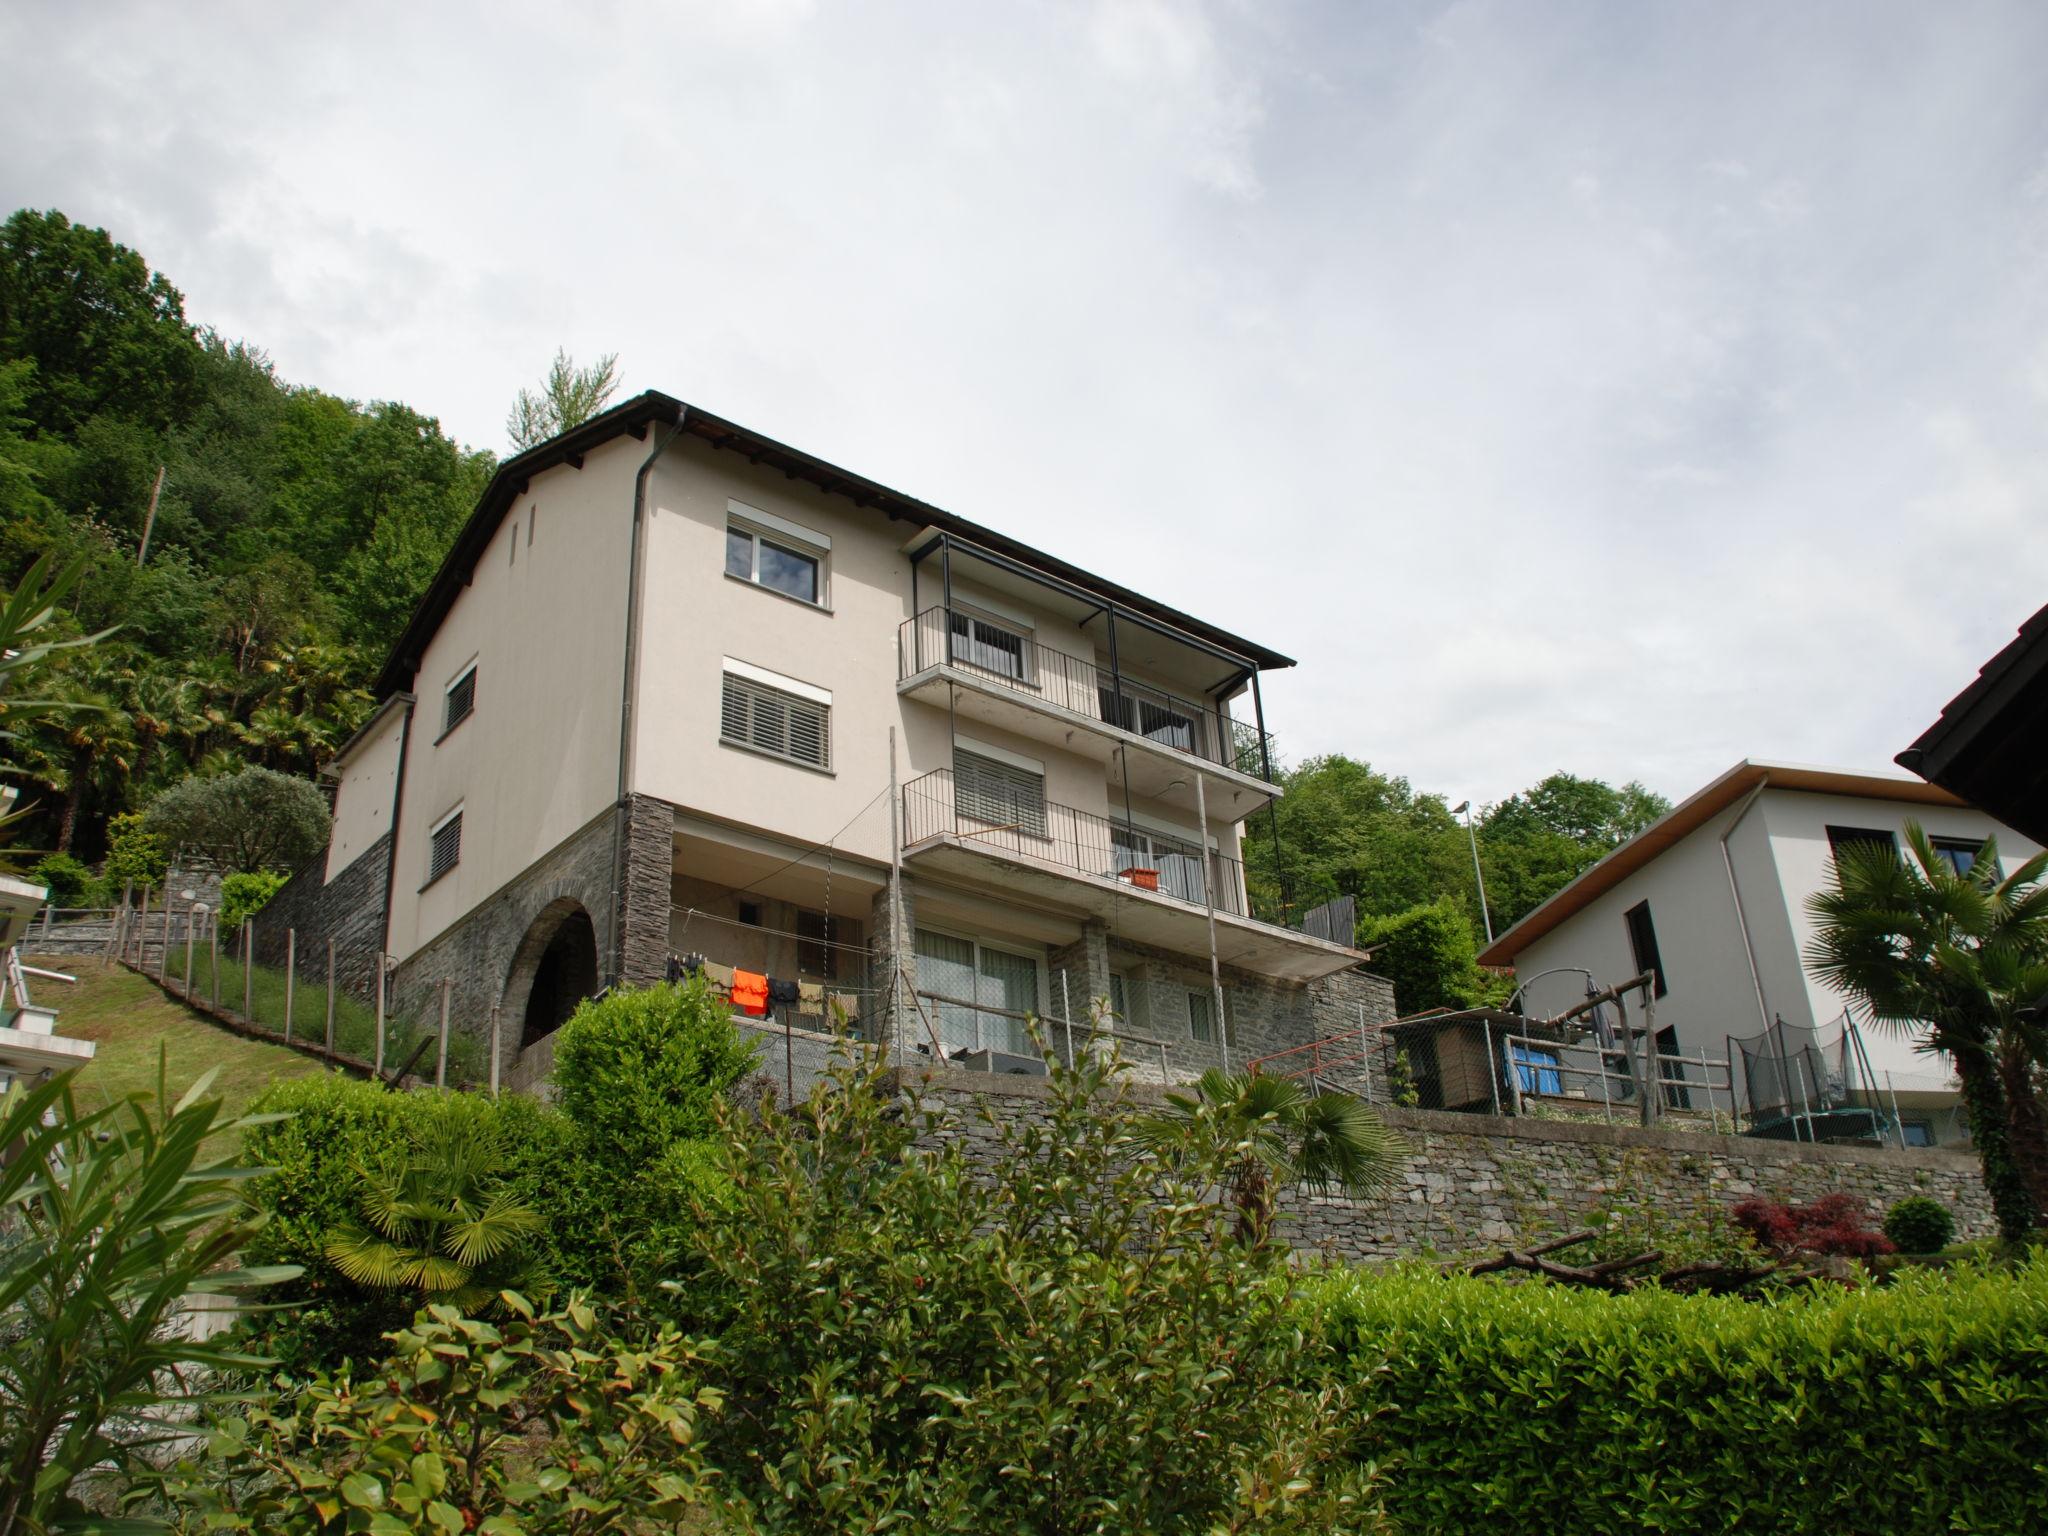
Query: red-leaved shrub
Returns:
{"type": "Point", "coordinates": [1833, 1225]}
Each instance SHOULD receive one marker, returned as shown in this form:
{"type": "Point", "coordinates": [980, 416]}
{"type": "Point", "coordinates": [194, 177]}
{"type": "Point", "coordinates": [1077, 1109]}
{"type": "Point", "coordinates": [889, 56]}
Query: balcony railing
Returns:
{"type": "Point", "coordinates": [952, 637]}
{"type": "Point", "coordinates": [1047, 832]}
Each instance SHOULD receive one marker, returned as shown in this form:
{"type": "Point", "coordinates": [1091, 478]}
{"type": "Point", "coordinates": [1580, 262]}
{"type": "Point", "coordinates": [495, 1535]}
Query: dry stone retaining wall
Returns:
{"type": "Point", "coordinates": [1474, 1182]}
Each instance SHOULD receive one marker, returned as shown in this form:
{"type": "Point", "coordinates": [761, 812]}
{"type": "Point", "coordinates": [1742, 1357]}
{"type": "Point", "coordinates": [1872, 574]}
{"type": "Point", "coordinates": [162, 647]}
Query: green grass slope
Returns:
{"type": "Point", "coordinates": [130, 1020]}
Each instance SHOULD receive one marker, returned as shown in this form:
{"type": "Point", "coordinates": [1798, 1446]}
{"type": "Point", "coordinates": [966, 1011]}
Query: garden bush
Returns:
{"type": "Point", "coordinates": [639, 1075]}
{"type": "Point", "coordinates": [1834, 1226]}
{"type": "Point", "coordinates": [1062, 1337]}
{"type": "Point", "coordinates": [538, 1423]}
{"type": "Point", "coordinates": [243, 896]}
{"type": "Point", "coordinates": [1919, 1225]}
{"type": "Point", "coordinates": [1909, 1408]}
{"type": "Point", "coordinates": [330, 1127]}
{"type": "Point", "coordinates": [67, 881]}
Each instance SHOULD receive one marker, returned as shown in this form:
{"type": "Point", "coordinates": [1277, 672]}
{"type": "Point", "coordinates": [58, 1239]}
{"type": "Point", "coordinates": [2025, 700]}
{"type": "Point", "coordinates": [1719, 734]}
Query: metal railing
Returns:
{"type": "Point", "coordinates": [1066, 838]}
{"type": "Point", "coordinates": [941, 636]}
{"type": "Point", "coordinates": [961, 1027]}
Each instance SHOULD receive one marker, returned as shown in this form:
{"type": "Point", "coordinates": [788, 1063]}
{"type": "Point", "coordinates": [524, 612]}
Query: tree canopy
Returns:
{"type": "Point", "coordinates": [294, 532]}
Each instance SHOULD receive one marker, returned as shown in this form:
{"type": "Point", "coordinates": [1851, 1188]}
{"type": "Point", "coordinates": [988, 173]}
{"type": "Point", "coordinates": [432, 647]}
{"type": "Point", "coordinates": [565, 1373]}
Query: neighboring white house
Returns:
{"type": "Point", "coordinates": [1713, 898]}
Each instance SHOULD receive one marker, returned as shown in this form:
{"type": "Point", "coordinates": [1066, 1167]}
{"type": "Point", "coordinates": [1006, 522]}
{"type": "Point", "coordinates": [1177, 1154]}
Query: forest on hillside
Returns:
{"type": "Point", "coordinates": [293, 531]}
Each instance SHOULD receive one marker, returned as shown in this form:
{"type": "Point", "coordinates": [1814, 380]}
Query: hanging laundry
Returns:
{"type": "Point", "coordinates": [782, 994]}
{"type": "Point", "coordinates": [673, 971]}
{"type": "Point", "coordinates": [693, 963]}
{"type": "Point", "coordinates": [721, 975]}
{"type": "Point", "coordinates": [750, 993]}
{"type": "Point", "coordinates": [811, 996]}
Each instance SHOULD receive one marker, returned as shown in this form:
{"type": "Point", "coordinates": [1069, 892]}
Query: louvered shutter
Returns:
{"type": "Point", "coordinates": [770, 720]}
{"type": "Point", "coordinates": [998, 793]}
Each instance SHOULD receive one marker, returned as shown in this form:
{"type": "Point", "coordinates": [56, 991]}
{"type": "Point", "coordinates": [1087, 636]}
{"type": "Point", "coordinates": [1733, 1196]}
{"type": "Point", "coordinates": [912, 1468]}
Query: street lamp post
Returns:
{"type": "Point", "coordinates": [1464, 808]}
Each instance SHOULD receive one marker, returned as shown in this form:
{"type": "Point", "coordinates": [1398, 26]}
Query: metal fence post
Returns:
{"type": "Point", "coordinates": [441, 1053]}
{"type": "Point", "coordinates": [163, 960]}
{"type": "Point", "coordinates": [142, 933]}
{"type": "Point", "coordinates": [191, 915]}
{"type": "Point", "coordinates": [1492, 1066]}
{"type": "Point", "coordinates": [249, 970]}
{"type": "Point", "coordinates": [1707, 1082]}
{"type": "Point", "coordinates": [213, 955]}
{"type": "Point", "coordinates": [379, 1062]}
{"type": "Point", "coordinates": [330, 994]}
{"type": "Point", "coordinates": [497, 1011]}
{"type": "Point", "coordinates": [291, 976]}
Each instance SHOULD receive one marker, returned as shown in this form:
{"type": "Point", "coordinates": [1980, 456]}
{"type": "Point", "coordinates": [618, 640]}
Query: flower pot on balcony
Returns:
{"type": "Point", "coordinates": [1143, 879]}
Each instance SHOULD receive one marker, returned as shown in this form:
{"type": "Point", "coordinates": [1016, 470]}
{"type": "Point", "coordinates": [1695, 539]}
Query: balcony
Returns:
{"type": "Point", "coordinates": [1149, 887]}
{"type": "Point", "coordinates": [984, 671]}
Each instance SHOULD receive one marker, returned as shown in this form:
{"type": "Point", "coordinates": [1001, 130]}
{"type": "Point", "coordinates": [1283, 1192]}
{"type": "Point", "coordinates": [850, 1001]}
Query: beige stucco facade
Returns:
{"type": "Point", "coordinates": [573, 722]}
{"type": "Point", "coordinates": [543, 620]}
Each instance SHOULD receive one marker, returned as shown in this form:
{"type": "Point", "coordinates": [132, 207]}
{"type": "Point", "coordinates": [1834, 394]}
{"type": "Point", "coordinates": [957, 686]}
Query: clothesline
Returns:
{"type": "Point", "coordinates": [785, 933]}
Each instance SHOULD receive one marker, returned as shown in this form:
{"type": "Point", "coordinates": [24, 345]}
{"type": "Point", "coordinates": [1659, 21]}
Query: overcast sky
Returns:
{"type": "Point", "coordinates": [1628, 388]}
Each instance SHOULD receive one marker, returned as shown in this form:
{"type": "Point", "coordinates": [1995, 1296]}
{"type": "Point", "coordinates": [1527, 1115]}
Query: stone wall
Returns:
{"type": "Point", "coordinates": [349, 909]}
{"type": "Point", "coordinates": [476, 956]}
{"type": "Point", "coordinates": [1471, 1183]}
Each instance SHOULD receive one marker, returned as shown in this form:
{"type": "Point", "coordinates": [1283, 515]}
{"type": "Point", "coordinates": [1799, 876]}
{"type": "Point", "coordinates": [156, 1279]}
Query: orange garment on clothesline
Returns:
{"type": "Point", "coordinates": [750, 993]}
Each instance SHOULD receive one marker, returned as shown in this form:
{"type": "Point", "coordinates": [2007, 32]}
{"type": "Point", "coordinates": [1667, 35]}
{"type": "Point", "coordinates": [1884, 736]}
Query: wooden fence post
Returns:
{"type": "Point", "coordinates": [379, 1063]}
{"type": "Point", "coordinates": [248, 970]}
{"type": "Point", "coordinates": [441, 1056]}
{"type": "Point", "coordinates": [330, 995]}
{"type": "Point", "coordinates": [291, 977]}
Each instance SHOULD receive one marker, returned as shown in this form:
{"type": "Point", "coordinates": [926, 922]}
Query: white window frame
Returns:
{"type": "Point", "coordinates": [434, 877]}
{"type": "Point", "coordinates": [448, 727]}
{"type": "Point", "coordinates": [959, 649]}
{"type": "Point", "coordinates": [791, 538]}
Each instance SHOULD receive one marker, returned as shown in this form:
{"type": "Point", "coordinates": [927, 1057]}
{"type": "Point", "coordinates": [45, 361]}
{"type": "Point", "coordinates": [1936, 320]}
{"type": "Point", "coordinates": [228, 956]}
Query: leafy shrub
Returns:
{"type": "Point", "coordinates": [330, 1128]}
{"type": "Point", "coordinates": [1427, 953]}
{"type": "Point", "coordinates": [639, 1075]}
{"type": "Point", "coordinates": [538, 1424]}
{"type": "Point", "coordinates": [108, 1219]}
{"type": "Point", "coordinates": [254, 819]}
{"type": "Point", "coordinates": [1919, 1225]}
{"type": "Point", "coordinates": [135, 854]}
{"type": "Point", "coordinates": [243, 896]}
{"type": "Point", "coordinates": [1059, 1338]}
{"type": "Point", "coordinates": [1834, 1225]}
{"type": "Point", "coordinates": [1913, 1408]}
{"type": "Point", "coordinates": [68, 880]}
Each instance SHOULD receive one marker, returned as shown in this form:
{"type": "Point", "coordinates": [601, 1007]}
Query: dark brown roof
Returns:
{"type": "Point", "coordinates": [643, 411]}
{"type": "Point", "coordinates": [1991, 743]}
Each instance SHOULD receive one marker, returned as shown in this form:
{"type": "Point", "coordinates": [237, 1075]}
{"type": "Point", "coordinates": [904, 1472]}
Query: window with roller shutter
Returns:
{"type": "Point", "coordinates": [997, 793]}
{"type": "Point", "coordinates": [765, 719]}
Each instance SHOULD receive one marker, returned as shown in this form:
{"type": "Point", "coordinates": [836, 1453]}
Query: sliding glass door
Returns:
{"type": "Point", "coordinates": [956, 974]}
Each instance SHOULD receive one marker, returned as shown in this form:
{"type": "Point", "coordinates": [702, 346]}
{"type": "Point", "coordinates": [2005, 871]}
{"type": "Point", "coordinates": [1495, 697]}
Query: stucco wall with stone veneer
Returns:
{"type": "Point", "coordinates": [1473, 1182]}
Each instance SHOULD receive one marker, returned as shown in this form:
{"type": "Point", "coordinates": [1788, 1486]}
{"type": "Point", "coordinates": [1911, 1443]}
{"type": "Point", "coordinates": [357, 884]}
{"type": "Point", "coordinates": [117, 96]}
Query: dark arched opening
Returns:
{"type": "Point", "coordinates": [564, 969]}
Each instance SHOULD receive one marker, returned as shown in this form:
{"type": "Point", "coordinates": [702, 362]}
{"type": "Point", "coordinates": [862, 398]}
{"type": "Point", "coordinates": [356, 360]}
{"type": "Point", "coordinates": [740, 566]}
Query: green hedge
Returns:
{"type": "Point", "coordinates": [1921, 1406]}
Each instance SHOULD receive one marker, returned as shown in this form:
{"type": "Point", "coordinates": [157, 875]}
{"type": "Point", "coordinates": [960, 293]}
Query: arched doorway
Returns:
{"type": "Point", "coordinates": [556, 968]}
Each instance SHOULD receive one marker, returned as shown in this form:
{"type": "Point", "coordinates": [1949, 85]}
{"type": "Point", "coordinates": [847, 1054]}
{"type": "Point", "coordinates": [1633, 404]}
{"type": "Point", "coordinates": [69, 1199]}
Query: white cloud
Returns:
{"type": "Point", "coordinates": [1628, 394]}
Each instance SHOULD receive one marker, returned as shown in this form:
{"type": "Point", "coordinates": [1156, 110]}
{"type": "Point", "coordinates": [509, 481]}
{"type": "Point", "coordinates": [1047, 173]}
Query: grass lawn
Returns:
{"type": "Point", "coordinates": [130, 1019]}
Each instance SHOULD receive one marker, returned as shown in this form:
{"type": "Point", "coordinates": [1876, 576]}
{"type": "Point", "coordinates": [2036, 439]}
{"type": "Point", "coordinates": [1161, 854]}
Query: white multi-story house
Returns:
{"type": "Point", "coordinates": [1712, 899]}
{"type": "Point", "coordinates": [682, 691]}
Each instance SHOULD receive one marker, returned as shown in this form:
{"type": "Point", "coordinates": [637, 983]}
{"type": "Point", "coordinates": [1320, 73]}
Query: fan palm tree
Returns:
{"type": "Point", "coordinates": [1961, 955]}
{"type": "Point", "coordinates": [437, 1216]}
{"type": "Point", "coordinates": [1275, 1135]}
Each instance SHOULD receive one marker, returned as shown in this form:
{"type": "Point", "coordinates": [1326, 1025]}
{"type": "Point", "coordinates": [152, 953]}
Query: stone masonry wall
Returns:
{"type": "Point", "coordinates": [348, 909]}
{"type": "Point", "coordinates": [1471, 1183]}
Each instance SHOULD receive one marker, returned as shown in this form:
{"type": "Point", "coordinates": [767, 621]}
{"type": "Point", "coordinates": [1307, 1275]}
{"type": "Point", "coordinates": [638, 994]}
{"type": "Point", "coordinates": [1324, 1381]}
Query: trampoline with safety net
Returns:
{"type": "Point", "coordinates": [1802, 1083]}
